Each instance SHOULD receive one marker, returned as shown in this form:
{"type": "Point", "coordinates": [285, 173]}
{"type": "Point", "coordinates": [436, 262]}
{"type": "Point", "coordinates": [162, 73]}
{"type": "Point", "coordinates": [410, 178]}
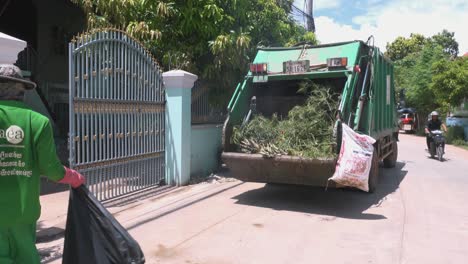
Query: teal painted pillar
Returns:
{"type": "Point", "coordinates": [178, 85]}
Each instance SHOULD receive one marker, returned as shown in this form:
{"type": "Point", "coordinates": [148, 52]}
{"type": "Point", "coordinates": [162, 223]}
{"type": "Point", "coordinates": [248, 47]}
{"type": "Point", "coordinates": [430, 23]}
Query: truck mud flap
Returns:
{"type": "Point", "coordinates": [281, 169]}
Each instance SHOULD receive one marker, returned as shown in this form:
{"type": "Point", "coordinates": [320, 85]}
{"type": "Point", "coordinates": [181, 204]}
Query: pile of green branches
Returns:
{"type": "Point", "coordinates": [306, 132]}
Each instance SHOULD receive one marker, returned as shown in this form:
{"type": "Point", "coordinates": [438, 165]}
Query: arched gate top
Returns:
{"type": "Point", "coordinates": [94, 36]}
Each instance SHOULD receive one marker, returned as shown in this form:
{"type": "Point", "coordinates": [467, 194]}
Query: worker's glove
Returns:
{"type": "Point", "coordinates": [72, 177]}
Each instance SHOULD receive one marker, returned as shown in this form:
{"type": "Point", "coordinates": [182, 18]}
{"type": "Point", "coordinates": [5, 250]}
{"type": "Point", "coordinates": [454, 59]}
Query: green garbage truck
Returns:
{"type": "Point", "coordinates": [357, 70]}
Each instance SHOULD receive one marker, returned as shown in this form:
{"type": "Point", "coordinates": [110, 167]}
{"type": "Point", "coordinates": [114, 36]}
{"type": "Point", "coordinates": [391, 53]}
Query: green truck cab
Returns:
{"type": "Point", "coordinates": [357, 71]}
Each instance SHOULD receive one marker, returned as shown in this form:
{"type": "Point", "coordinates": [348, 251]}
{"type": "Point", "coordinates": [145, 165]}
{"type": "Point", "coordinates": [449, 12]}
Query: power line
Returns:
{"type": "Point", "coordinates": [301, 16]}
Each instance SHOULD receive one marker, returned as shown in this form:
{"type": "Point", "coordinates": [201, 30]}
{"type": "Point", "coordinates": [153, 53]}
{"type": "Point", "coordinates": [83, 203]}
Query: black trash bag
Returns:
{"type": "Point", "coordinates": [93, 235]}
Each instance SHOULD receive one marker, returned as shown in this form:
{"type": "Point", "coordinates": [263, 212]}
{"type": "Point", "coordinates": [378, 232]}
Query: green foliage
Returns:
{"type": "Point", "coordinates": [424, 70]}
{"type": "Point", "coordinates": [303, 37]}
{"type": "Point", "coordinates": [134, 16]}
{"type": "Point", "coordinates": [450, 81]}
{"type": "Point", "coordinates": [446, 40]}
{"type": "Point", "coordinates": [454, 134]}
{"type": "Point", "coordinates": [401, 47]}
{"type": "Point", "coordinates": [306, 132]}
{"type": "Point", "coordinates": [260, 128]}
{"type": "Point", "coordinates": [415, 75]}
{"type": "Point", "coordinates": [461, 143]}
{"type": "Point", "coordinates": [215, 39]}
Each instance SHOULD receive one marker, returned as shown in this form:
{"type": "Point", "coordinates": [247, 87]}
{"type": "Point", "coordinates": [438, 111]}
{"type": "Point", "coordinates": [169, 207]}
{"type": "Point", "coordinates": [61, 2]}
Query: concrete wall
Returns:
{"type": "Point", "coordinates": [191, 151]}
{"type": "Point", "coordinates": [458, 121]}
{"type": "Point", "coordinates": [205, 149]}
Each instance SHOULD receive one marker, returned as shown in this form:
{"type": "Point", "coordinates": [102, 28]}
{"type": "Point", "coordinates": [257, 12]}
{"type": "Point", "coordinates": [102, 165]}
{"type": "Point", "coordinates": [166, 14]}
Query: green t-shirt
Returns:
{"type": "Point", "coordinates": [27, 151]}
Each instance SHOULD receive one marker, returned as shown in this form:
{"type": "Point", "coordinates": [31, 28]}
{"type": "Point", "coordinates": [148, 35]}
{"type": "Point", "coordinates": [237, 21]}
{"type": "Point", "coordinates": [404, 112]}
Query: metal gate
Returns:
{"type": "Point", "coordinates": [117, 113]}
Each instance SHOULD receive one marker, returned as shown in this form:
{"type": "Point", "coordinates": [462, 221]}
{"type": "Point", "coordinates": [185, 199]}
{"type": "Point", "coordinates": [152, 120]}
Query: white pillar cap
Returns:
{"type": "Point", "coordinates": [9, 48]}
{"type": "Point", "coordinates": [179, 79]}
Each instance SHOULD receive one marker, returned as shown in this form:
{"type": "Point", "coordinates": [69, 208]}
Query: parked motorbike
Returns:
{"type": "Point", "coordinates": [437, 146]}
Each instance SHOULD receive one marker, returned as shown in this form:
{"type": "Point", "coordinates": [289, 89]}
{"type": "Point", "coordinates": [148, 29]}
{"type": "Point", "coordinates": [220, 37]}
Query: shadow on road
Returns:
{"type": "Point", "coordinates": [344, 203]}
{"type": "Point", "coordinates": [436, 160]}
{"type": "Point", "coordinates": [50, 254]}
{"type": "Point", "coordinates": [141, 195]}
{"type": "Point", "coordinates": [49, 234]}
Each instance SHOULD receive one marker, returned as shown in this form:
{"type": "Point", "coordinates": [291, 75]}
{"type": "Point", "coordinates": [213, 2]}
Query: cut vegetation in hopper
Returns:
{"type": "Point", "coordinates": [306, 132]}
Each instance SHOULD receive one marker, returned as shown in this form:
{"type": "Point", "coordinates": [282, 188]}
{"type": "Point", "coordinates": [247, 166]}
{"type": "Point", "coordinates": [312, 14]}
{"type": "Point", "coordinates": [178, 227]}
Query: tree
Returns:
{"type": "Point", "coordinates": [415, 75]}
{"type": "Point", "coordinates": [450, 81]}
{"type": "Point", "coordinates": [215, 39]}
{"type": "Point", "coordinates": [402, 47]}
{"type": "Point", "coordinates": [447, 40]}
{"type": "Point", "coordinates": [424, 71]}
{"type": "Point", "coordinates": [259, 23]}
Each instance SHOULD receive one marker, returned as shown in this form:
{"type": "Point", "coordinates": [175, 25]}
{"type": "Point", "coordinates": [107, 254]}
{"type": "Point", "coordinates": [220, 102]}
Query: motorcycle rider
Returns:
{"type": "Point", "coordinates": [434, 123]}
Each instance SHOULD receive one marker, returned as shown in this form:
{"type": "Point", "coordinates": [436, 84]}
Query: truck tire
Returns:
{"type": "Point", "coordinates": [390, 160]}
{"type": "Point", "coordinates": [374, 172]}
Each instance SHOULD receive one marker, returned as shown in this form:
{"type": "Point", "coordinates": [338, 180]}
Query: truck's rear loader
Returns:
{"type": "Point", "coordinates": [358, 72]}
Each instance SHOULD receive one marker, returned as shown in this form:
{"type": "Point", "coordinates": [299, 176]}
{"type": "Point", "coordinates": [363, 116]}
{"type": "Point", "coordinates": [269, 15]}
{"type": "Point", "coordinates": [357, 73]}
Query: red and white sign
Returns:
{"type": "Point", "coordinates": [355, 160]}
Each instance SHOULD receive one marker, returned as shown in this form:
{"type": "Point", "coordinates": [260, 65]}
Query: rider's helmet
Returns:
{"type": "Point", "coordinates": [434, 114]}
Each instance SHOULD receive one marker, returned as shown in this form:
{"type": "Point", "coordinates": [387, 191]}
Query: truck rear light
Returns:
{"type": "Point", "coordinates": [337, 62]}
{"type": "Point", "coordinates": [357, 69]}
{"type": "Point", "coordinates": [408, 121]}
{"type": "Point", "coordinates": [256, 68]}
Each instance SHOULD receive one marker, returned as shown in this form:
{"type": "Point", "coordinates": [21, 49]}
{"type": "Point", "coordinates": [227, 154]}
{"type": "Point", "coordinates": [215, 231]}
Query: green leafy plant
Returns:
{"type": "Point", "coordinates": [460, 142]}
{"type": "Point", "coordinates": [454, 134]}
{"type": "Point", "coordinates": [215, 39]}
{"type": "Point", "coordinates": [307, 131]}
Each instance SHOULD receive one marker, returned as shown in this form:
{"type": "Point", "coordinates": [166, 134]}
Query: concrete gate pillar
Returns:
{"type": "Point", "coordinates": [178, 85]}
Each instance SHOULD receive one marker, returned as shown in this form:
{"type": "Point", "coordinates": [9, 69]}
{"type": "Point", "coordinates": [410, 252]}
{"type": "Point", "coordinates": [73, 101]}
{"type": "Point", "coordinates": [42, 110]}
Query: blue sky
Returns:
{"type": "Point", "coordinates": [339, 20]}
{"type": "Point", "coordinates": [342, 11]}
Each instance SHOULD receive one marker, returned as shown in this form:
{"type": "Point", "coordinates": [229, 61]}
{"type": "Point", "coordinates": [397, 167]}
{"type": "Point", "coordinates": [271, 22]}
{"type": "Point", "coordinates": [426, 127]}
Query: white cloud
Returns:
{"type": "Point", "coordinates": [319, 4]}
{"type": "Point", "coordinates": [400, 18]}
{"type": "Point", "coordinates": [325, 4]}
{"type": "Point", "coordinates": [328, 30]}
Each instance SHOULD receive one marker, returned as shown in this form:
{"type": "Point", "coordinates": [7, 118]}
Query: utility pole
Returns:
{"type": "Point", "coordinates": [310, 15]}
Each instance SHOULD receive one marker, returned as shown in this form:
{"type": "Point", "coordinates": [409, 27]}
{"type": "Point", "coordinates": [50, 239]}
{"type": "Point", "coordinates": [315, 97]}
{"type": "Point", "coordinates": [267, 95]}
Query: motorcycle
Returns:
{"type": "Point", "coordinates": [437, 146]}
{"type": "Point", "coordinates": [408, 120]}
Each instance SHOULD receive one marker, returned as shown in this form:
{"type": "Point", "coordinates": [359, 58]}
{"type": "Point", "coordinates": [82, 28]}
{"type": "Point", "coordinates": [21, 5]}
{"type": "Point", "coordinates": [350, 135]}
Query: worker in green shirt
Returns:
{"type": "Point", "coordinates": [27, 151]}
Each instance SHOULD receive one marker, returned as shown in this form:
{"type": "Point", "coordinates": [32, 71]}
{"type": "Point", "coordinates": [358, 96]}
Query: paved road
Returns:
{"type": "Point", "coordinates": [418, 215]}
